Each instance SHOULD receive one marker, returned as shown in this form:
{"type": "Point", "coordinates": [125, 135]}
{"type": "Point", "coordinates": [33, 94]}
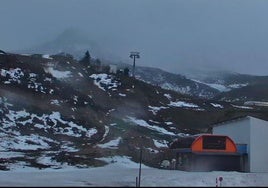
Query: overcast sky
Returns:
{"type": "Point", "coordinates": [169, 34]}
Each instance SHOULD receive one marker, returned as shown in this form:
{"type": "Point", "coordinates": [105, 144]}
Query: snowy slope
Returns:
{"type": "Point", "coordinates": [56, 112]}
{"type": "Point", "coordinates": [123, 172]}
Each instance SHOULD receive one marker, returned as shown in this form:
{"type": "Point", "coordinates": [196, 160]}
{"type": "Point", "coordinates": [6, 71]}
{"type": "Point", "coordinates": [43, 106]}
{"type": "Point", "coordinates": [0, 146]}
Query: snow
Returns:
{"type": "Point", "coordinates": [216, 105]}
{"type": "Point", "coordinates": [58, 74]}
{"type": "Point", "coordinates": [169, 123]}
{"type": "Point", "coordinates": [155, 109]}
{"type": "Point", "coordinates": [242, 107]}
{"type": "Point", "coordinates": [122, 94]}
{"type": "Point", "coordinates": [10, 154]}
{"type": "Point", "coordinates": [46, 56]}
{"type": "Point", "coordinates": [113, 144]}
{"type": "Point", "coordinates": [122, 172]}
{"type": "Point", "coordinates": [167, 96]}
{"type": "Point", "coordinates": [256, 103]}
{"type": "Point", "coordinates": [67, 146]}
{"type": "Point", "coordinates": [107, 129]}
{"type": "Point", "coordinates": [80, 74]}
{"type": "Point", "coordinates": [11, 139]}
{"type": "Point", "coordinates": [31, 142]}
{"type": "Point", "coordinates": [143, 123]}
{"type": "Point", "coordinates": [182, 104]}
{"type": "Point", "coordinates": [103, 79]}
{"type": "Point", "coordinates": [183, 90]}
{"type": "Point", "coordinates": [237, 85]}
{"type": "Point", "coordinates": [219, 87]}
{"type": "Point", "coordinates": [69, 130]}
{"type": "Point", "coordinates": [14, 75]}
{"type": "Point", "coordinates": [47, 161]}
{"type": "Point", "coordinates": [55, 101]}
{"type": "Point", "coordinates": [36, 142]}
{"type": "Point", "coordinates": [36, 86]}
{"type": "Point", "coordinates": [160, 144]}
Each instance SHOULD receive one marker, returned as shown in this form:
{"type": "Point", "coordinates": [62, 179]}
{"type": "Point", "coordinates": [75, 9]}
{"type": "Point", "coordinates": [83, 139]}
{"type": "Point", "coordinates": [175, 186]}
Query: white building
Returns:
{"type": "Point", "coordinates": [113, 68]}
{"type": "Point", "coordinates": [254, 133]}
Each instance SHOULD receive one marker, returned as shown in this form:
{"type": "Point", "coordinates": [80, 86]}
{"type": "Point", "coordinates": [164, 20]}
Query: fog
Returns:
{"type": "Point", "coordinates": [174, 35]}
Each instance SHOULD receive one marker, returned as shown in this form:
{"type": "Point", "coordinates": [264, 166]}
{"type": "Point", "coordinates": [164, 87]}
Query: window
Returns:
{"type": "Point", "coordinates": [214, 142]}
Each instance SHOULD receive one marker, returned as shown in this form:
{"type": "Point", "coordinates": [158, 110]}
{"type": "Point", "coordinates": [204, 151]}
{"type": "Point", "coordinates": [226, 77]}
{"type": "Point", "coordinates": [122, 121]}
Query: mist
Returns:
{"type": "Point", "coordinates": [174, 35]}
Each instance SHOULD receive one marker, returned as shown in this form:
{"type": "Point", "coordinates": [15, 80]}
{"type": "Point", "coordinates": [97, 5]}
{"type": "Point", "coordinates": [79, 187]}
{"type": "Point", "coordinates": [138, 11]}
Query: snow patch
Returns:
{"type": "Point", "coordinates": [102, 80]}
{"type": "Point", "coordinates": [155, 109]}
{"type": "Point", "coordinates": [122, 95]}
{"type": "Point", "coordinates": [160, 144]}
{"type": "Point", "coordinates": [242, 107]}
{"type": "Point", "coordinates": [58, 74]}
{"type": "Point", "coordinates": [46, 56]}
{"type": "Point", "coordinates": [182, 104]}
{"type": "Point", "coordinates": [216, 105]}
{"type": "Point", "coordinates": [113, 144]}
{"type": "Point", "coordinates": [235, 86]}
{"type": "Point", "coordinates": [143, 123]}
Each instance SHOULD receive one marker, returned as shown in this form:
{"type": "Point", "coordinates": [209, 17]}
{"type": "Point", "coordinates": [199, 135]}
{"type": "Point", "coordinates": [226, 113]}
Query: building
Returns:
{"type": "Point", "coordinates": [251, 135]}
{"type": "Point", "coordinates": [207, 152]}
{"type": "Point", "coordinates": [113, 68]}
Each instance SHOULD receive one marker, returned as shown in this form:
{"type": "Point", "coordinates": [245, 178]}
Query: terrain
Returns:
{"type": "Point", "coordinates": [57, 110]}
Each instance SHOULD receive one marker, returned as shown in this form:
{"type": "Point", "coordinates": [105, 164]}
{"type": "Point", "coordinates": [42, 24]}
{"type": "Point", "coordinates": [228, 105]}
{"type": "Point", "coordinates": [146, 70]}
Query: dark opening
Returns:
{"type": "Point", "coordinates": [214, 142]}
{"type": "Point", "coordinates": [216, 163]}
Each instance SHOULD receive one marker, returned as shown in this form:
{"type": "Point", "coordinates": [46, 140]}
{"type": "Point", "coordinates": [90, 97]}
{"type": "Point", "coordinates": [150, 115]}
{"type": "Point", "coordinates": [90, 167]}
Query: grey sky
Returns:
{"type": "Point", "coordinates": [170, 34]}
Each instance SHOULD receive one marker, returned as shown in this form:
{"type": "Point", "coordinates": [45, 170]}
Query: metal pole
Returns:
{"type": "Point", "coordinates": [133, 72]}
{"type": "Point", "coordinates": [140, 168]}
{"type": "Point", "coordinates": [134, 55]}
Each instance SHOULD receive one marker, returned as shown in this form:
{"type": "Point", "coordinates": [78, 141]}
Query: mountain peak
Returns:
{"type": "Point", "coordinates": [71, 40]}
{"type": "Point", "coordinates": [72, 36]}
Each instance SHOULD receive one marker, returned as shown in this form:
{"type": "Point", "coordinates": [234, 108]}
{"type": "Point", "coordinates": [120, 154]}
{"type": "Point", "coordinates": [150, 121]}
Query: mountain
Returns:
{"type": "Point", "coordinates": [70, 41]}
{"type": "Point", "coordinates": [235, 87]}
{"type": "Point", "coordinates": [56, 111]}
{"type": "Point", "coordinates": [216, 85]}
{"type": "Point", "coordinates": [175, 82]}
{"type": "Point", "coordinates": [170, 81]}
{"type": "Point", "coordinates": [222, 85]}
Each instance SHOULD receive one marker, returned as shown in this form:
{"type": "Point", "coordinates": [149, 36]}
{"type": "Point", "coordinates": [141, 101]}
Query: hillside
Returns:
{"type": "Point", "coordinates": [196, 82]}
{"type": "Point", "coordinates": [56, 110]}
{"type": "Point", "coordinates": [234, 86]}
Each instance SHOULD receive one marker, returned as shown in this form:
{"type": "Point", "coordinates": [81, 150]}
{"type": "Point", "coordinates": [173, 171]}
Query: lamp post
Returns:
{"type": "Point", "coordinates": [134, 55]}
{"type": "Point", "coordinates": [140, 167]}
{"type": "Point", "coordinates": [138, 179]}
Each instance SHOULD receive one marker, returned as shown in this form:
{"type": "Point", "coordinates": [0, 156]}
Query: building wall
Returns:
{"type": "Point", "coordinates": [239, 132]}
{"type": "Point", "coordinates": [113, 68]}
{"type": "Point", "coordinates": [259, 145]}
{"type": "Point", "coordinates": [254, 133]}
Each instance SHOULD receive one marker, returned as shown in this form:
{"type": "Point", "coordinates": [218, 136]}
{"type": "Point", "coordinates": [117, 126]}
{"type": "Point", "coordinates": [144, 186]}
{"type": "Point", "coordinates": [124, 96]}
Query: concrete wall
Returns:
{"type": "Point", "coordinates": [113, 68]}
{"type": "Point", "coordinates": [259, 145]}
{"type": "Point", "coordinates": [254, 133]}
{"type": "Point", "coordinates": [239, 131]}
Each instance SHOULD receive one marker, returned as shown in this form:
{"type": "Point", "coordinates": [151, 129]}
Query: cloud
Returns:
{"type": "Point", "coordinates": [170, 34]}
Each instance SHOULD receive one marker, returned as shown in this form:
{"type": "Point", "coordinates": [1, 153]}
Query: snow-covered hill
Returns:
{"type": "Point", "coordinates": [234, 86]}
{"type": "Point", "coordinates": [222, 85]}
{"type": "Point", "coordinates": [56, 111]}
